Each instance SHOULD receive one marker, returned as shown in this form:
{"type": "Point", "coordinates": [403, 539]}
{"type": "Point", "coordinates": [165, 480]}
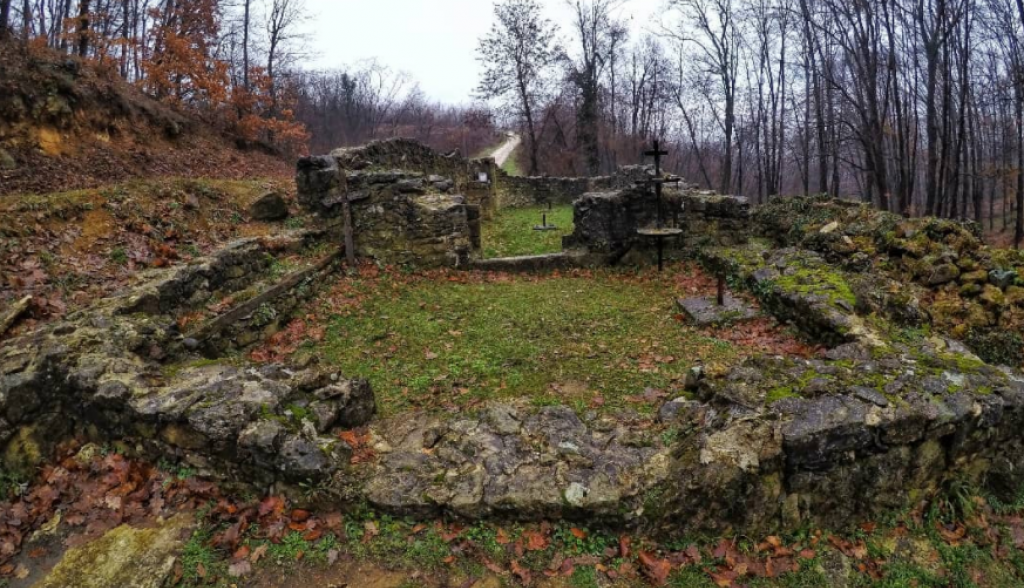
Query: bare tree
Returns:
{"type": "Point", "coordinates": [597, 32]}
{"type": "Point", "coordinates": [282, 29]}
{"type": "Point", "coordinates": [5, 18]}
{"type": "Point", "coordinates": [83, 27]}
{"type": "Point", "coordinates": [246, 30]}
{"type": "Point", "coordinates": [710, 26]}
{"type": "Point", "coordinates": [515, 55]}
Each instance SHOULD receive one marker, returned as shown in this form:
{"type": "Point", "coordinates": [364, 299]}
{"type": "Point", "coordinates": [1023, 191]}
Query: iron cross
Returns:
{"type": "Point", "coordinates": [656, 153]}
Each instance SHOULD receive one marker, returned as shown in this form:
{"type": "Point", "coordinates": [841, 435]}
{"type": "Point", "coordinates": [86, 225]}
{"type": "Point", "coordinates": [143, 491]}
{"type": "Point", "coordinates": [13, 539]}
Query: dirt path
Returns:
{"type": "Point", "coordinates": [501, 154]}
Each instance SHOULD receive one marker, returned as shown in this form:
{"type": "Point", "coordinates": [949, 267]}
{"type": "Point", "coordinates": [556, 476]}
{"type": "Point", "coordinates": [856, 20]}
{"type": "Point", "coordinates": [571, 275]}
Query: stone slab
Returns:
{"type": "Point", "coordinates": [705, 311]}
{"type": "Point", "coordinates": [528, 263]}
{"type": "Point", "coordinates": [123, 558]}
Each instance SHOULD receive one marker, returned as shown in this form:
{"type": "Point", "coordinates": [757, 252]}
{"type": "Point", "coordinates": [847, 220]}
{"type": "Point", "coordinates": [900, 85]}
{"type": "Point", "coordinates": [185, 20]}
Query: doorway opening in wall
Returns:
{"type": "Point", "coordinates": [511, 232]}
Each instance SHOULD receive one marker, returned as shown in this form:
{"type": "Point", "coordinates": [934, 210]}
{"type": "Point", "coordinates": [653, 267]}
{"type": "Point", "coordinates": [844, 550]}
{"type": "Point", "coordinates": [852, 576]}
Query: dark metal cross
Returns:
{"type": "Point", "coordinates": [544, 196]}
{"type": "Point", "coordinates": [660, 232]}
{"type": "Point", "coordinates": [657, 153]}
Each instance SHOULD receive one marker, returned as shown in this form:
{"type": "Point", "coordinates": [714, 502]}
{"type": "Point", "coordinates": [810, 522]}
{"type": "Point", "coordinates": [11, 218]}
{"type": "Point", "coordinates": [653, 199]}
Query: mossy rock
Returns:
{"type": "Point", "coordinates": [125, 557]}
{"type": "Point", "coordinates": [976, 277]}
{"type": "Point", "coordinates": [30, 447]}
{"type": "Point", "coordinates": [1015, 296]}
{"type": "Point", "coordinates": [993, 297]}
{"type": "Point", "coordinates": [7, 161]}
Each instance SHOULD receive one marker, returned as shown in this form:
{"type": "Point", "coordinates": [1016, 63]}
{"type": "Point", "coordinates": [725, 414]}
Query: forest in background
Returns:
{"type": "Point", "coordinates": [913, 105]}
{"type": "Point", "coordinates": [237, 65]}
{"type": "Point", "coordinates": [916, 106]}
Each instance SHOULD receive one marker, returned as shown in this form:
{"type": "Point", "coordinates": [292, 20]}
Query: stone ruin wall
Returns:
{"type": "Point", "coordinates": [414, 206]}
{"type": "Point", "coordinates": [607, 222]}
{"type": "Point", "coordinates": [875, 425]}
{"type": "Point", "coordinates": [125, 370]}
{"type": "Point", "coordinates": [523, 191]}
{"type": "Point", "coordinates": [410, 205]}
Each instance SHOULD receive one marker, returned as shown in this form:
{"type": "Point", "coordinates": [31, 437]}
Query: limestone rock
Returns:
{"type": "Point", "coordinates": [1015, 295]}
{"type": "Point", "coordinates": [7, 162]}
{"type": "Point", "coordinates": [992, 296]}
{"type": "Point", "coordinates": [352, 402]}
{"type": "Point", "coordinates": [1002, 279]}
{"type": "Point", "coordinates": [978, 277]}
{"type": "Point", "coordinates": [941, 274]}
{"type": "Point", "coordinates": [269, 207]}
{"type": "Point", "coordinates": [124, 557]}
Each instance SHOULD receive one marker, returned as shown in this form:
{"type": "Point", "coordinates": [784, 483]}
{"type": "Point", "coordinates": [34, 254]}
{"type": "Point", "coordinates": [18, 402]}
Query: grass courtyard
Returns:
{"type": "Point", "coordinates": [601, 339]}
{"type": "Point", "coordinates": [511, 232]}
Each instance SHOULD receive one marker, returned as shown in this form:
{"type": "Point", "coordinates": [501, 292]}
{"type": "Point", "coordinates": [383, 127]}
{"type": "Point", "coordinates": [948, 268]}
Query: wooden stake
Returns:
{"type": "Point", "coordinates": [350, 242]}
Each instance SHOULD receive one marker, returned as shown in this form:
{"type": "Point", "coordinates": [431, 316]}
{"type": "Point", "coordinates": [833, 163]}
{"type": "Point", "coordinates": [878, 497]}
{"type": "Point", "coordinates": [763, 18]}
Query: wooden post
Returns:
{"type": "Point", "coordinates": [350, 241]}
{"type": "Point", "coordinates": [721, 290]}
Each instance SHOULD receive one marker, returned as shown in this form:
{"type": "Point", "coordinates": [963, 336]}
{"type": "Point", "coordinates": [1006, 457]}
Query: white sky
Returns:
{"type": "Point", "coordinates": [432, 40]}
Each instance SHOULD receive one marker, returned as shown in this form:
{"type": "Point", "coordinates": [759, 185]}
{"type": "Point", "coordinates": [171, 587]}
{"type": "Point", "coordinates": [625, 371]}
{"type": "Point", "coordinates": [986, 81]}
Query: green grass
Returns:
{"type": "Point", "coordinates": [199, 559]}
{"type": "Point", "coordinates": [511, 165]}
{"type": "Point", "coordinates": [511, 232]}
{"type": "Point", "coordinates": [10, 483]}
{"type": "Point", "coordinates": [435, 343]}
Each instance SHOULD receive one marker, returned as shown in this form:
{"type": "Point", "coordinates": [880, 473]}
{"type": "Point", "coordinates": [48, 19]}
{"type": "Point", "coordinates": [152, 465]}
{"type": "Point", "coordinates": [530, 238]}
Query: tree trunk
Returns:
{"type": "Point", "coordinates": [83, 28]}
{"type": "Point", "coordinates": [245, 42]}
{"type": "Point", "coordinates": [524, 96]}
{"type": "Point", "coordinates": [5, 18]}
{"type": "Point", "coordinates": [1018, 231]}
{"type": "Point", "coordinates": [725, 187]}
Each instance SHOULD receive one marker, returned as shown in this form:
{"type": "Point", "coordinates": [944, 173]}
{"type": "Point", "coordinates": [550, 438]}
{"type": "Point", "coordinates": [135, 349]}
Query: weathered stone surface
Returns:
{"type": "Point", "coordinates": [125, 557]}
{"type": "Point", "coordinates": [270, 207]}
{"type": "Point", "coordinates": [705, 311]}
{"type": "Point", "coordinates": [837, 458]}
{"type": "Point", "coordinates": [323, 181]}
{"type": "Point", "coordinates": [607, 222]}
{"type": "Point", "coordinates": [98, 369]}
{"type": "Point", "coordinates": [528, 465]}
{"type": "Point", "coordinates": [942, 274]}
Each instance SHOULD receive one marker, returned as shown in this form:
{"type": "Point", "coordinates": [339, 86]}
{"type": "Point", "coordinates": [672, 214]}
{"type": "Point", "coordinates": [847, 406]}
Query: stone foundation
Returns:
{"type": "Point", "coordinates": [883, 420]}
{"type": "Point", "coordinates": [398, 218]}
{"type": "Point", "coordinates": [123, 370]}
{"type": "Point", "coordinates": [749, 464]}
{"type": "Point", "coordinates": [412, 206]}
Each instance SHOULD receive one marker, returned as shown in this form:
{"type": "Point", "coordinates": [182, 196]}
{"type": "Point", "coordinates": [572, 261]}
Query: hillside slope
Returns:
{"type": "Point", "coordinates": [66, 124]}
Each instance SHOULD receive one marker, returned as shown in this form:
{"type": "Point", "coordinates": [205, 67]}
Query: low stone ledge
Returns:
{"type": "Point", "coordinates": [515, 463]}
{"type": "Point", "coordinates": [837, 459]}
{"type": "Point", "coordinates": [243, 324]}
{"type": "Point", "coordinates": [230, 269]}
{"type": "Point", "coordinates": [98, 372]}
{"type": "Point", "coordinates": [798, 287]}
{"type": "Point", "coordinates": [530, 263]}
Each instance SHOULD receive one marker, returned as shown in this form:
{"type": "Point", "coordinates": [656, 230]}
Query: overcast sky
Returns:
{"type": "Point", "coordinates": [433, 40]}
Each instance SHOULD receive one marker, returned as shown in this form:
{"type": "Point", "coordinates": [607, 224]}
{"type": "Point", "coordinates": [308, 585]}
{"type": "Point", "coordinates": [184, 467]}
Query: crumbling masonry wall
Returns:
{"type": "Point", "coordinates": [522, 191]}
{"type": "Point", "coordinates": [124, 370]}
{"type": "Point", "coordinates": [607, 222]}
{"type": "Point", "coordinates": [409, 205]}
